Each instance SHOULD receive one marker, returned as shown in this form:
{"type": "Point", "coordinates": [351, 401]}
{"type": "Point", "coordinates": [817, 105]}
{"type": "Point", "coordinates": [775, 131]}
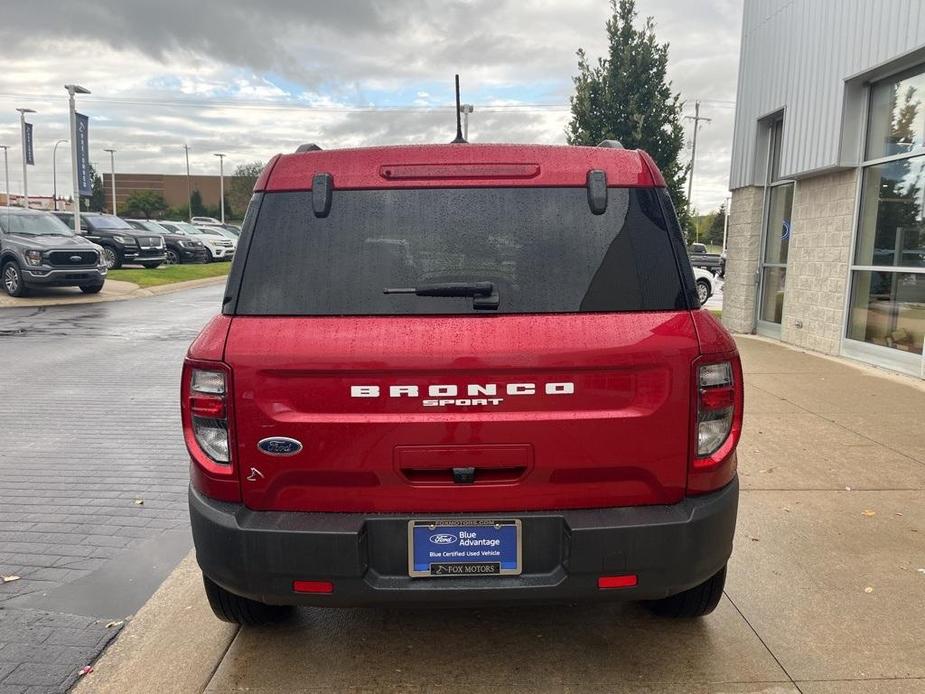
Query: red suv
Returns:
{"type": "Point", "coordinates": [462, 374]}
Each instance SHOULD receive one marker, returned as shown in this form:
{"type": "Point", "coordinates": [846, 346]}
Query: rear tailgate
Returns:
{"type": "Point", "coordinates": [545, 411]}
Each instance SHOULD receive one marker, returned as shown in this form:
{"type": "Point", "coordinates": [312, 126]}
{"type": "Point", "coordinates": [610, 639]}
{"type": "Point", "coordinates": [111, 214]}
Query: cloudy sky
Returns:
{"type": "Point", "coordinates": [254, 78]}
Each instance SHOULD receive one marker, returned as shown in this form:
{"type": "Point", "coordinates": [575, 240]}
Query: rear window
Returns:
{"type": "Point", "coordinates": [541, 248]}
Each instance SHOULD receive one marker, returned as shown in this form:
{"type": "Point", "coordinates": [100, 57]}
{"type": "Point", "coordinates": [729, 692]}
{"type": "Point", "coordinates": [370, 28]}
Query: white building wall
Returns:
{"type": "Point", "coordinates": [796, 56]}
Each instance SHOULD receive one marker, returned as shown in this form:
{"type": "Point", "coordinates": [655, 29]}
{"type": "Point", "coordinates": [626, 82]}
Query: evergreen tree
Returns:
{"type": "Point", "coordinates": [97, 200]}
{"type": "Point", "coordinates": [627, 96]}
{"type": "Point", "coordinates": [715, 232]}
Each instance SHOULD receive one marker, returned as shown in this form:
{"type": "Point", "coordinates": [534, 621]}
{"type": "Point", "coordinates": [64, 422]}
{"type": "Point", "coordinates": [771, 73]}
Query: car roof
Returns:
{"type": "Point", "coordinates": [21, 210]}
{"type": "Point", "coordinates": [460, 165]}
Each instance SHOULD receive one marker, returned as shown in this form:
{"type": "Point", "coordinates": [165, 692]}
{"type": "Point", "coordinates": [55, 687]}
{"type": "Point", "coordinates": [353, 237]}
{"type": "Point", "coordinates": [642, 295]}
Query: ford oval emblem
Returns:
{"type": "Point", "coordinates": [279, 445]}
{"type": "Point", "coordinates": [443, 539]}
{"type": "Point", "coordinates": [76, 258]}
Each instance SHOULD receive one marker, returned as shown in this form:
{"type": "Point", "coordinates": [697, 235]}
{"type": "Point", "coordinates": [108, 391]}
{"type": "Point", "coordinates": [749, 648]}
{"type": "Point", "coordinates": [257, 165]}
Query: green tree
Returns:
{"type": "Point", "coordinates": [242, 186]}
{"type": "Point", "coordinates": [196, 206]}
{"type": "Point", "coordinates": [145, 203]}
{"type": "Point", "coordinates": [627, 96]}
{"type": "Point", "coordinates": [715, 232]}
{"type": "Point", "coordinates": [97, 200]}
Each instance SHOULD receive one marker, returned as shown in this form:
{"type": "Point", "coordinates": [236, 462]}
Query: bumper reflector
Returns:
{"type": "Point", "coordinates": [608, 582]}
{"type": "Point", "coordinates": [313, 586]}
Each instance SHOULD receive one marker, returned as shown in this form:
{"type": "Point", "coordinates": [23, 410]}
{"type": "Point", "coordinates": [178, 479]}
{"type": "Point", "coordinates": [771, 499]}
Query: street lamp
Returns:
{"type": "Point", "coordinates": [112, 177]}
{"type": "Point", "coordinates": [73, 89]}
{"type": "Point", "coordinates": [465, 110]}
{"type": "Point", "coordinates": [54, 174]}
{"type": "Point", "coordinates": [22, 134]}
{"type": "Point", "coordinates": [189, 192]}
{"type": "Point", "coordinates": [221, 181]}
{"type": "Point", "coordinates": [6, 172]}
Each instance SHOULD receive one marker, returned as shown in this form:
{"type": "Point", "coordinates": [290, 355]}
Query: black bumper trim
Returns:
{"type": "Point", "coordinates": [258, 554]}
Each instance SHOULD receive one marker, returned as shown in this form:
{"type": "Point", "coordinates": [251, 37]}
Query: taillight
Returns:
{"type": "Point", "coordinates": [206, 414]}
{"type": "Point", "coordinates": [717, 423]}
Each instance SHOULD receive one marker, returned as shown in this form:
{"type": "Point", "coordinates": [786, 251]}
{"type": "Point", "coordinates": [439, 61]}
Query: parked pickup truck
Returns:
{"type": "Point", "coordinates": [461, 375]}
{"type": "Point", "coordinates": [699, 257]}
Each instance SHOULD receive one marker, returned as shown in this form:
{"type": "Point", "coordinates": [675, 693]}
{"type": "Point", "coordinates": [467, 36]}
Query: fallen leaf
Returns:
{"type": "Point", "coordinates": [868, 589]}
{"type": "Point", "coordinates": [118, 623]}
{"type": "Point", "coordinates": [847, 489]}
{"type": "Point", "coordinates": [9, 579]}
{"type": "Point", "coordinates": [755, 539]}
{"type": "Point", "coordinates": [898, 514]}
{"type": "Point", "coordinates": [139, 502]}
{"type": "Point", "coordinates": [85, 670]}
{"type": "Point", "coordinates": [868, 513]}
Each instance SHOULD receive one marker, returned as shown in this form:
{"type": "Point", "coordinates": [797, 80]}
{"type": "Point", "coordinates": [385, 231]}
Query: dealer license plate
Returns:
{"type": "Point", "coordinates": [464, 548]}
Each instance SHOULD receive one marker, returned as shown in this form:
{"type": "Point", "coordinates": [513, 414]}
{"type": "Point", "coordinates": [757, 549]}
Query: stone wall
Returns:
{"type": "Point", "coordinates": [742, 244]}
{"type": "Point", "coordinates": [817, 270]}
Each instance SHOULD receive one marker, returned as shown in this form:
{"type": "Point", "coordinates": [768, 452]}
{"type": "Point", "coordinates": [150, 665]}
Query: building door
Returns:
{"type": "Point", "coordinates": [778, 208]}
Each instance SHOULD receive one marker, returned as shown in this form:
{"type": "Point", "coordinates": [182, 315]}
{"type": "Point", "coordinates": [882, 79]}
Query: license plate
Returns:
{"type": "Point", "coordinates": [464, 548]}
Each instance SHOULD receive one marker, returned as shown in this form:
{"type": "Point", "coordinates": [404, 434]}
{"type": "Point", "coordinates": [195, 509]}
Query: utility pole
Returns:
{"type": "Point", "coordinates": [73, 89]}
{"type": "Point", "coordinates": [465, 110]}
{"type": "Point", "coordinates": [22, 134]}
{"type": "Point", "coordinates": [6, 172]}
{"type": "Point", "coordinates": [221, 182]}
{"type": "Point", "coordinates": [726, 223]}
{"type": "Point", "coordinates": [112, 176]}
{"type": "Point", "coordinates": [696, 118]}
{"type": "Point", "coordinates": [189, 191]}
{"type": "Point", "coordinates": [54, 174]}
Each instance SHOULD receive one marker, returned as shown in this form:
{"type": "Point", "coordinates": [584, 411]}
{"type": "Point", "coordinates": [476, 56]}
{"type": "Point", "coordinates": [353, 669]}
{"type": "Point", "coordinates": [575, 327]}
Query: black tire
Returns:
{"type": "Point", "coordinates": [229, 607]}
{"type": "Point", "coordinates": [209, 257]}
{"type": "Point", "coordinates": [172, 257]}
{"type": "Point", "coordinates": [695, 602]}
{"type": "Point", "coordinates": [12, 279]}
{"type": "Point", "coordinates": [151, 266]}
{"type": "Point", "coordinates": [703, 291]}
{"type": "Point", "coordinates": [91, 288]}
{"type": "Point", "coordinates": [112, 258]}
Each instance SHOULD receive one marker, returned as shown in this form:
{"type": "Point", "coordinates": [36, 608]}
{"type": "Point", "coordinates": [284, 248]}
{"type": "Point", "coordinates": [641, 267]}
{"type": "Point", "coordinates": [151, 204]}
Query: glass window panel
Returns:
{"type": "Point", "coordinates": [777, 132]}
{"type": "Point", "coordinates": [896, 124]}
{"type": "Point", "coordinates": [772, 294]}
{"type": "Point", "coordinates": [888, 309]}
{"type": "Point", "coordinates": [892, 226]}
{"type": "Point", "coordinates": [777, 241]}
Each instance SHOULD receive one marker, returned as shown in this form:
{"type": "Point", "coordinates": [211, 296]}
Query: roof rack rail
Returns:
{"type": "Point", "coordinates": [308, 147]}
{"type": "Point", "coordinates": [612, 144]}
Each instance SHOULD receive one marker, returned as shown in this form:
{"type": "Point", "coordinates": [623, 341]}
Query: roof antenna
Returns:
{"type": "Point", "coordinates": [460, 140]}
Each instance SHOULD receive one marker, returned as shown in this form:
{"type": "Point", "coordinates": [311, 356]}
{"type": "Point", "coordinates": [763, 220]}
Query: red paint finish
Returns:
{"type": "Point", "coordinates": [621, 438]}
{"type": "Point", "coordinates": [434, 166]}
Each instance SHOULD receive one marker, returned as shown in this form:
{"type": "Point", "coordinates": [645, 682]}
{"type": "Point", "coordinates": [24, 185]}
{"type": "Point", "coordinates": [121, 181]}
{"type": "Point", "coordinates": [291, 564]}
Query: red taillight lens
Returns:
{"type": "Point", "coordinates": [206, 403]}
{"type": "Point", "coordinates": [717, 423]}
{"type": "Point", "coordinates": [313, 586]}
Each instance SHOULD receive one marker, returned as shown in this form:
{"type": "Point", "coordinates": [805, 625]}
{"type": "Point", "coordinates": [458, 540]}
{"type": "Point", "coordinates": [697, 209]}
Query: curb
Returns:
{"type": "Point", "coordinates": [173, 644]}
{"type": "Point", "coordinates": [122, 294]}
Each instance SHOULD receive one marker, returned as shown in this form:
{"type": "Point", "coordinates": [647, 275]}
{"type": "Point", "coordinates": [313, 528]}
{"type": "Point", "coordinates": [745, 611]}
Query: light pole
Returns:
{"type": "Point", "coordinates": [54, 174]}
{"type": "Point", "coordinates": [22, 134]}
{"type": "Point", "coordinates": [465, 110]}
{"type": "Point", "coordinates": [189, 192]}
{"type": "Point", "coordinates": [221, 181]}
{"type": "Point", "coordinates": [6, 172]}
{"type": "Point", "coordinates": [73, 89]}
{"type": "Point", "coordinates": [112, 177]}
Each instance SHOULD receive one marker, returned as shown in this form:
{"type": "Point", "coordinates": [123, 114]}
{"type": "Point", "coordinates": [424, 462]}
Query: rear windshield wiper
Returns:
{"type": "Point", "coordinates": [483, 294]}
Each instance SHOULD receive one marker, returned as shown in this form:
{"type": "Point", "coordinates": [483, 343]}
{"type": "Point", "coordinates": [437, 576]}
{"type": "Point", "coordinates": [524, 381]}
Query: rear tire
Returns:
{"type": "Point", "coordinates": [229, 607]}
{"type": "Point", "coordinates": [698, 601]}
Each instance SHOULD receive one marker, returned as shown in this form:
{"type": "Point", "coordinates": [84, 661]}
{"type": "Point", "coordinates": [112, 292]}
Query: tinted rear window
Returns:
{"type": "Point", "coordinates": [542, 248]}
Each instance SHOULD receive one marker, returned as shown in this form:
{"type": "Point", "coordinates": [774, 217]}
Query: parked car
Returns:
{"type": "Point", "coordinates": [205, 220]}
{"type": "Point", "coordinates": [218, 246]}
{"type": "Point", "coordinates": [179, 248]}
{"type": "Point", "coordinates": [224, 242]}
{"type": "Point", "coordinates": [121, 244]}
{"type": "Point", "coordinates": [706, 283]}
{"type": "Point", "coordinates": [38, 250]}
{"type": "Point", "coordinates": [494, 386]}
{"type": "Point", "coordinates": [700, 257]}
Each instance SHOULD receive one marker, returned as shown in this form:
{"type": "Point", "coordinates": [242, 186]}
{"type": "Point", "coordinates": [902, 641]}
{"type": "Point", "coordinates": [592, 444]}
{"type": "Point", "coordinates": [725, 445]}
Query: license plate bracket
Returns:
{"type": "Point", "coordinates": [464, 548]}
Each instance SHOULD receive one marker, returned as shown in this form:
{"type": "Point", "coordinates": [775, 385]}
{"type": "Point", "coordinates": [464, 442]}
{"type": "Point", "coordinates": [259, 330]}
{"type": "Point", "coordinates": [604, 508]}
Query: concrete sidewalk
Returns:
{"type": "Point", "coordinates": [826, 587]}
{"type": "Point", "coordinates": [113, 290]}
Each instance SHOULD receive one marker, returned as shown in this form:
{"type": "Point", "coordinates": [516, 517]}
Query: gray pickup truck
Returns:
{"type": "Point", "coordinates": [38, 250]}
{"type": "Point", "coordinates": [714, 262]}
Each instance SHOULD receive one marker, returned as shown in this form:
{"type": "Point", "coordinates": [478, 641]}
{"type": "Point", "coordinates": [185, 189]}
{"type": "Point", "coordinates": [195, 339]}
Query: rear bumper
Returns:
{"type": "Point", "coordinates": [258, 554]}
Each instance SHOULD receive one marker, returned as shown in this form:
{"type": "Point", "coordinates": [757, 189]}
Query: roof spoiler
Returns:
{"type": "Point", "coordinates": [307, 147]}
{"type": "Point", "coordinates": [612, 144]}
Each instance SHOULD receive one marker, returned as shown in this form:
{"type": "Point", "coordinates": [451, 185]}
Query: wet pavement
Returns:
{"type": "Point", "coordinates": [92, 503]}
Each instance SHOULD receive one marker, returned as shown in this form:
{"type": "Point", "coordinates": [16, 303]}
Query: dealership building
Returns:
{"type": "Point", "coordinates": [826, 246]}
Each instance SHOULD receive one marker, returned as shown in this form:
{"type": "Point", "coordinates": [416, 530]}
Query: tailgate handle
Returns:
{"type": "Point", "coordinates": [463, 475]}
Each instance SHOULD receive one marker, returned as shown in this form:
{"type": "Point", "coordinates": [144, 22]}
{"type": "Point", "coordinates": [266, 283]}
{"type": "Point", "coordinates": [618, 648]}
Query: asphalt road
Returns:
{"type": "Point", "coordinates": [94, 473]}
